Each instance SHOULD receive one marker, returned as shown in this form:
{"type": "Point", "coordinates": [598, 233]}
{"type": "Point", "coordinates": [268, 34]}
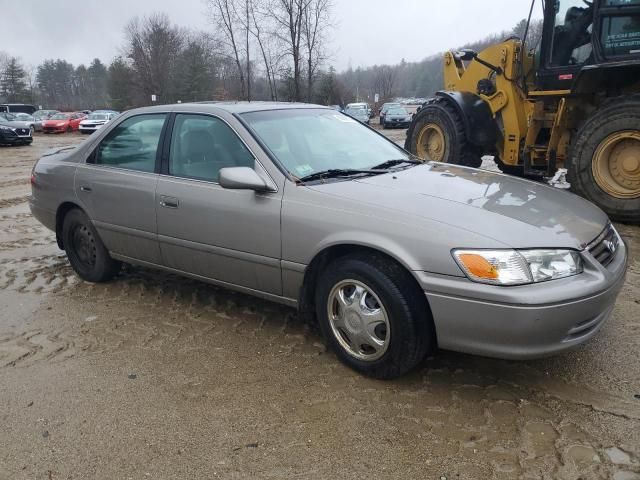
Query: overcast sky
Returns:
{"type": "Point", "coordinates": [367, 32]}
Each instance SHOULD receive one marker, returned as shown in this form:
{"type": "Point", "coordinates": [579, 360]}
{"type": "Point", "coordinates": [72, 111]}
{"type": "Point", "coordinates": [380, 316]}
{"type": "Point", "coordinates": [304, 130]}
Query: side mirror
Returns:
{"type": "Point", "coordinates": [242, 178]}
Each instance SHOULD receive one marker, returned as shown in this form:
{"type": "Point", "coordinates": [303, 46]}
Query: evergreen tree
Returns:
{"type": "Point", "coordinates": [13, 83]}
{"type": "Point", "coordinates": [119, 84]}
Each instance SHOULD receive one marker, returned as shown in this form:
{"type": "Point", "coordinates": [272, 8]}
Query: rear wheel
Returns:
{"type": "Point", "coordinates": [86, 252]}
{"type": "Point", "coordinates": [373, 315]}
{"type": "Point", "coordinates": [604, 165]}
{"type": "Point", "coordinates": [438, 134]}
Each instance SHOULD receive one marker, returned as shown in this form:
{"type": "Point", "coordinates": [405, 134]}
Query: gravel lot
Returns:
{"type": "Point", "coordinates": [155, 376]}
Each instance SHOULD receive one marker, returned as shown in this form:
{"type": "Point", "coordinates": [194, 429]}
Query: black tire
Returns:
{"type": "Point", "coordinates": [617, 115]}
{"type": "Point", "coordinates": [412, 333]}
{"type": "Point", "coordinates": [457, 149]}
{"type": "Point", "coordinates": [87, 254]}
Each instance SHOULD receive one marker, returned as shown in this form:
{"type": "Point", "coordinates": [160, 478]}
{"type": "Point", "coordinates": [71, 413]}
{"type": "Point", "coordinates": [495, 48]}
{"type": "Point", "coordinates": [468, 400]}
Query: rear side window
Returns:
{"type": "Point", "coordinates": [133, 144]}
{"type": "Point", "coordinates": [201, 145]}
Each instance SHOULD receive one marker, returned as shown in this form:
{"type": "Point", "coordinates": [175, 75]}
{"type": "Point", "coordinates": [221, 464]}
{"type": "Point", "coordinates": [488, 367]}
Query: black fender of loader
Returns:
{"type": "Point", "coordinates": [480, 126]}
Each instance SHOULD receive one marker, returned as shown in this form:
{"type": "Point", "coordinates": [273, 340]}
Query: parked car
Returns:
{"type": "Point", "coordinates": [30, 120]}
{"type": "Point", "coordinates": [392, 256]}
{"type": "Point", "coordinates": [63, 122]}
{"type": "Point", "coordinates": [384, 108]}
{"type": "Point", "coordinates": [43, 115]}
{"type": "Point", "coordinates": [396, 117]}
{"type": "Point", "coordinates": [364, 105]}
{"type": "Point", "coordinates": [14, 133]}
{"type": "Point", "coordinates": [17, 120]}
{"type": "Point", "coordinates": [95, 121]}
{"type": "Point", "coordinates": [359, 113]}
{"type": "Point", "coordinates": [17, 108]}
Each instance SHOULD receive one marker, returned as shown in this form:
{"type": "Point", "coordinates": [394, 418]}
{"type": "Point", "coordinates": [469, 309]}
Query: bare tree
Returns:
{"type": "Point", "coordinates": [262, 30]}
{"type": "Point", "coordinates": [288, 16]}
{"type": "Point", "coordinates": [385, 79]}
{"type": "Point", "coordinates": [316, 21]}
{"type": "Point", "coordinates": [224, 14]}
{"type": "Point", "coordinates": [153, 46]}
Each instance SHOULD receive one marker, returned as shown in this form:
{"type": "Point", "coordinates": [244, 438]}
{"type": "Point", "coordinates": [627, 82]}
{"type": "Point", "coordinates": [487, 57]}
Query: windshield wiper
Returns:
{"type": "Point", "coordinates": [339, 172]}
{"type": "Point", "coordinates": [393, 163]}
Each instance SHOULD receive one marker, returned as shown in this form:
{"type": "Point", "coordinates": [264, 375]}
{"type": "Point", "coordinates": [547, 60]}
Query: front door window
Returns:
{"type": "Point", "coordinates": [572, 33]}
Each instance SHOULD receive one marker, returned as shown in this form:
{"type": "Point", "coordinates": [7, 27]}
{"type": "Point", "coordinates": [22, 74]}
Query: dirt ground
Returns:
{"type": "Point", "coordinates": [156, 376]}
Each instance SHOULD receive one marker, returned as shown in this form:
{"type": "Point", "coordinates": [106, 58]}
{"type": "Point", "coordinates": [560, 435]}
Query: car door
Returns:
{"type": "Point", "coordinates": [117, 186]}
{"type": "Point", "coordinates": [232, 236]}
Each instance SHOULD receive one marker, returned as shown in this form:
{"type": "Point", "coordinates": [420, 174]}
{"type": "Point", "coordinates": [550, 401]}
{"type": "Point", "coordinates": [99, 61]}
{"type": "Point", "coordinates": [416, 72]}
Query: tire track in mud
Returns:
{"type": "Point", "coordinates": [12, 202]}
{"type": "Point", "coordinates": [34, 346]}
{"type": "Point", "coordinates": [16, 182]}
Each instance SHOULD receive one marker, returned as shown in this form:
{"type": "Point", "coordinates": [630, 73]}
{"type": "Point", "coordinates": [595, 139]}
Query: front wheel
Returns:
{"type": "Point", "coordinates": [373, 316]}
{"type": "Point", "coordinates": [438, 133]}
{"type": "Point", "coordinates": [86, 252]}
{"type": "Point", "coordinates": [604, 164]}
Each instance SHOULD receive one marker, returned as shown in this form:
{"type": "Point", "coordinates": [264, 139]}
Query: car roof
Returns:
{"type": "Point", "coordinates": [230, 107]}
{"type": "Point", "coordinates": [244, 107]}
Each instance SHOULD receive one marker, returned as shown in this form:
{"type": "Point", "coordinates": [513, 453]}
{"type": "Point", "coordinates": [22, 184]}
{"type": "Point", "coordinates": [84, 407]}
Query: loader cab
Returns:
{"type": "Point", "coordinates": [578, 33]}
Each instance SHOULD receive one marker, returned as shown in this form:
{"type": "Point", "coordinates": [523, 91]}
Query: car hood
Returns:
{"type": "Point", "coordinates": [15, 124]}
{"type": "Point", "coordinates": [514, 212]}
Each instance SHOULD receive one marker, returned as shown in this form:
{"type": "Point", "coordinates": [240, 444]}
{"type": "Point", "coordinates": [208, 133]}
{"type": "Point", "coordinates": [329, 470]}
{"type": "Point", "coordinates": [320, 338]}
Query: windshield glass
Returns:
{"type": "Point", "coordinates": [356, 111]}
{"type": "Point", "coordinates": [307, 141]}
{"type": "Point", "coordinates": [397, 111]}
{"type": "Point", "coordinates": [98, 116]}
{"type": "Point", "coordinates": [60, 116]}
{"type": "Point", "coordinates": [8, 116]}
{"type": "Point", "coordinates": [24, 117]}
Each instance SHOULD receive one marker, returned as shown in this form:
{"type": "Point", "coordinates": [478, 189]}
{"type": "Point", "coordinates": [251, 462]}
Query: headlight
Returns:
{"type": "Point", "coordinates": [6, 129]}
{"type": "Point", "coordinates": [518, 267]}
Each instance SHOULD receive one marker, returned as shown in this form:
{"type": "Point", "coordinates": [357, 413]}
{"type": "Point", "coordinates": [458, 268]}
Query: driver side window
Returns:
{"type": "Point", "coordinates": [133, 144]}
{"type": "Point", "coordinates": [571, 43]}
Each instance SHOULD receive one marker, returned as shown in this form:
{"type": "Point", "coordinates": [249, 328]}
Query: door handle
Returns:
{"type": "Point", "coordinates": [85, 189]}
{"type": "Point", "coordinates": [169, 202]}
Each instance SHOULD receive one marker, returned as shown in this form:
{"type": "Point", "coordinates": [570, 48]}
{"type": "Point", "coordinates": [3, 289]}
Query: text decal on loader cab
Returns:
{"type": "Point", "coordinates": [566, 76]}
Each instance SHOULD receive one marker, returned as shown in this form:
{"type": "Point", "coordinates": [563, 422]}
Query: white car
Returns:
{"type": "Point", "coordinates": [95, 121]}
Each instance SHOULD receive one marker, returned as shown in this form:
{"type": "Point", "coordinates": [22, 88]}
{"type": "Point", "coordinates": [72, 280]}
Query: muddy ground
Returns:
{"type": "Point", "coordinates": [156, 376]}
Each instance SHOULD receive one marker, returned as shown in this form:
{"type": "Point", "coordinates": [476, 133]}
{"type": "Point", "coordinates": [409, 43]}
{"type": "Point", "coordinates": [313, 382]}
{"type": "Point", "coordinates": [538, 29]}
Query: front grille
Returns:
{"type": "Point", "coordinates": [605, 246]}
{"type": "Point", "coordinates": [23, 131]}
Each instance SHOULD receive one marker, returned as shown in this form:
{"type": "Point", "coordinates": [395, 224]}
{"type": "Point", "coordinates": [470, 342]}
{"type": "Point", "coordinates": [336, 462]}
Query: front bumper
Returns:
{"type": "Point", "coordinates": [528, 321]}
{"type": "Point", "coordinates": [13, 139]}
{"type": "Point", "coordinates": [89, 128]}
{"type": "Point", "coordinates": [55, 129]}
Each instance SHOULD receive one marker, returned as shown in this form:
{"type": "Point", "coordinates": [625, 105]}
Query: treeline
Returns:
{"type": "Point", "coordinates": [256, 50]}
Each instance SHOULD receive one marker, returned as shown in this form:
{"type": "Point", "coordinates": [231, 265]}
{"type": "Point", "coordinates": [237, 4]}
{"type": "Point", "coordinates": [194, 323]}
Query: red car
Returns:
{"type": "Point", "coordinates": [63, 122]}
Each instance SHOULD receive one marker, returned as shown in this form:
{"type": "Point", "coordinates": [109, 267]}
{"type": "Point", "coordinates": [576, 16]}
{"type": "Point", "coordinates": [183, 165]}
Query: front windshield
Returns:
{"type": "Point", "coordinates": [24, 117]}
{"type": "Point", "coordinates": [397, 111]}
{"type": "Point", "coordinates": [307, 141]}
{"type": "Point", "coordinates": [356, 111]}
{"type": "Point", "coordinates": [60, 116]}
{"type": "Point", "coordinates": [98, 116]}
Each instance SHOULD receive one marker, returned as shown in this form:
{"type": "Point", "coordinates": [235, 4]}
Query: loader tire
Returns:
{"type": "Point", "coordinates": [604, 161]}
{"type": "Point", "coordinates": [438, 133]}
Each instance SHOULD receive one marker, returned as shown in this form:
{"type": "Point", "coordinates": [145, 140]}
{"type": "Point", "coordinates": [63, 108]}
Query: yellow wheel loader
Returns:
{"type": "Point", "coordinates": [572, 102]}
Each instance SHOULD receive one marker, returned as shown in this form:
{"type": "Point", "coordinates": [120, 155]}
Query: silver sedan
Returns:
{"type": "Point", "coordinates": [303, 205]}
